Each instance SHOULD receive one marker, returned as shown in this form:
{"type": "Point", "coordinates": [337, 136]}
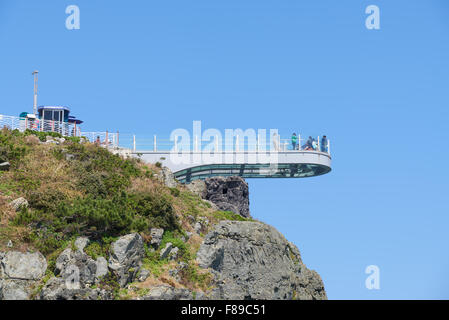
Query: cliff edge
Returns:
{"type": "Point", "coordinates": [78, 222]}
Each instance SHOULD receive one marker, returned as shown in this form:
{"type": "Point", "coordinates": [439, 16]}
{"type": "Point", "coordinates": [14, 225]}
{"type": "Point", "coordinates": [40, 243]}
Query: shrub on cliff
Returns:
{"type": "Point", "coordinates": [12, 148]}
{"type": "Point", "coordinates": [80, 189]}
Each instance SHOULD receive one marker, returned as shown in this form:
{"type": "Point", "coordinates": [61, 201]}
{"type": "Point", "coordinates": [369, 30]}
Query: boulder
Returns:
{"type": "Point", "coordinates": [143, 275]}
{"type": "Point", "coordinates": [19, 272]}
{"type": "Point", "coordinates": [173, 255]}
{"type": "Point", "coordinates": [156, 237]}
{"type": "Point", "coordinates": [58, 289]}
{"type": "Point", "coordinates": [19, 203]}
{"type": "Point", "coordinates": [102, 268]}
{"type": "Point", "coordinates": [166, 292]}
{"type": "Point", "coordinates": [14, 290]}
{"type": "Point", "coordinates": [126, 257]}
{"type": "Point", "coordinates": [88, 271]}
{"type": "Point", "coordinates": [77, 262]}
{"type": "Point", "coordinates": [81, 243]}
{"type": "Point", "coordinates": [228, 194]}
{"type": "Point", "coordinates": [252, 260]}
{"type": "Point", "coordinates": [23, 266]}
{"type": "Point", "coordinates": [166, 250]}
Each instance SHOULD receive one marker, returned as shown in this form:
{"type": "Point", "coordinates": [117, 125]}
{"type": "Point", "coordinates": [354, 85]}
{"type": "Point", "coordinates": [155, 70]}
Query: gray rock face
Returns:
{"type": "Point", "coordinates": [143, 275]}
{"type": "Point", "coordinates": [166, 250]}
{"type": "Point", "coordinates": [165, 292]}
{"type": "Point", "coordinates": [251, 260]}
{"type": "Point", "coordinates": [80, 265]}
{"type": "Point", "coordinates": [19, 272]}
{"type": "Point", "coordinates": [77, 272]}
{"type": "Point", "coordinates": [76, 264]}
{"type": "Point", "coordinates": [156, 237]}
{"type": "Point", "coordinates": [23, 266]}
{"type": "Point", "coordinates": [126, 257]}
{"type": "Point", "coordinates": [14, 289]}
{"type": "Point", "coordinates": [102, 268]}
{"type": "Point", "coordinates": [173, 253]}
{"type": "Point", "coordinates": [81, 243]}
{"type": "Point", "coordinates": [19, 203]}
{"type": "Point", "coordinates": [57, 289]}
{"type": "Point", "coordinates": [198, 187]}
{"type": "Point", "coordinates": [167, 177]}
{"type": "Point", "coordinates": [228, 194]}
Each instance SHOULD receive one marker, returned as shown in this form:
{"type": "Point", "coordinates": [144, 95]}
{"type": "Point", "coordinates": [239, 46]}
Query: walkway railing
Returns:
{"type": "Point", "coordinates": [141, 143]}
{"type": "Point", "coordinates": [64, 128]}
{"type": "Point", "coordinates": [156, 143]}
{"type": "Point", "coordinates": [22, 123]}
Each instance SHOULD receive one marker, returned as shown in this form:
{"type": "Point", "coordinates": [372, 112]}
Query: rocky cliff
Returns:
{"type": "Point", "coordinates": [248, 260]}
{"type": "Point", "coordinates": [93, 225]}
{"type": "Point", "coordinates": [226, 193]}
{"type": "Point", "coordinates": [252, 260]}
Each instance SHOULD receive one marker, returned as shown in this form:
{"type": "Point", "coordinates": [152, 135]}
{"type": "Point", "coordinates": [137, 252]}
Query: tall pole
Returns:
{"type": "Point", "coordinates": [35, 92]}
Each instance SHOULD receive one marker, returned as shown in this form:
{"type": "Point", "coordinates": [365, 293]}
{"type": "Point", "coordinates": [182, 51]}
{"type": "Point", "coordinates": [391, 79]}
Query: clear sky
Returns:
{"type": "Point", "coordinates": [311, 67]}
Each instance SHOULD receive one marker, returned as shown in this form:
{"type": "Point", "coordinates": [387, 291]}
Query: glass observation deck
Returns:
{"type": "Point", "coordinates": [276, 159]}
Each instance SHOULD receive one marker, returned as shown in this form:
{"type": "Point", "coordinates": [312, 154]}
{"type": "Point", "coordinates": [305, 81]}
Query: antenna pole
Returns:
{"type": "Point", "coordinates": [35, 92]}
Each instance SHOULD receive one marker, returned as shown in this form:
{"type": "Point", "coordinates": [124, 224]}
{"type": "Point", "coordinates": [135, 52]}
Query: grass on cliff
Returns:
{"type": "Point", "coordinates": [78, 189]}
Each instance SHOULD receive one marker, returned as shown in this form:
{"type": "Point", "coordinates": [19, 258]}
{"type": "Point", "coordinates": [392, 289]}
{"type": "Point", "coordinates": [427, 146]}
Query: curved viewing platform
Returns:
{"type": "Point", "coordinates": [246, 164]}
{"type": "Point", "coordinates": [254, 157]}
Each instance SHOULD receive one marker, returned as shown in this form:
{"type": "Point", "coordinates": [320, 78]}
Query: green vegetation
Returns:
{"type": "Point", "coordinates": [192, 277]}
{"type": "Point", "coordinates": [152, 263]}
{"type": "Point", "coordinates": [184, 253]}
{"type": "Point", "coordinates": [99, 248]}
{"type": "Point", "coordinates": [89, 193]}
{"type": "Point", "coordinates": [42, 135]}
{"type": "Point", "coordinates": [12, 147]}
{"type": "Point", "coordinates": [80, 189]}
{"type": "Point", "coordinates": [229, 215]}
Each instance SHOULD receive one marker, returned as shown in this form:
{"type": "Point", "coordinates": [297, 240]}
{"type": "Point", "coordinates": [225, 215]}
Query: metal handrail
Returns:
{"type": "Point", "coordinates": [24, 123]}
{"type": "Point", "coordinates": [134, 143]}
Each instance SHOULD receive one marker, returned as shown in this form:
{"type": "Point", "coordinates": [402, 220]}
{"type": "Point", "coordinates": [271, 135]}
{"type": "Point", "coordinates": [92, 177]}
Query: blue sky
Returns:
{"type": "Point", "coordinates": [312, 67]}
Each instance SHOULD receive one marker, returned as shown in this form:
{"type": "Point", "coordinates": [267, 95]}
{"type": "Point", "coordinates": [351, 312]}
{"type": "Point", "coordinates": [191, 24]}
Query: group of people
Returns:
{"type": "Point", "coordinates": [311, 143]}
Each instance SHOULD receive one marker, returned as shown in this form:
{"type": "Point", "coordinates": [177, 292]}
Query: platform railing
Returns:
{"type": "Point", "coordinates": [142, 143]}
{"type": "Point", "coordinates": [145, 143]}
{"type": "Point", "coordinates": [104, 138]}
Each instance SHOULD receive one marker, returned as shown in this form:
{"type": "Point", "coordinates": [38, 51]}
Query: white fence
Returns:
{"type": "Point", "coordinates": [138, 143]}
{"type": "Point", "coordinates": [64, 128]}
{"type": "Point", "coordinates": [155, 143]}
{"type": "Point", "coordinates": [106, 138]}
{"type": "Point", "coordinates": [21, 124]}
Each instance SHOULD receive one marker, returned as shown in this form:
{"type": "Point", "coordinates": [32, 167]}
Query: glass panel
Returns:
{"type": "Point", "coordinates": [57, 115]}
{"type": "Point", "coordinates": [48, 115]}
